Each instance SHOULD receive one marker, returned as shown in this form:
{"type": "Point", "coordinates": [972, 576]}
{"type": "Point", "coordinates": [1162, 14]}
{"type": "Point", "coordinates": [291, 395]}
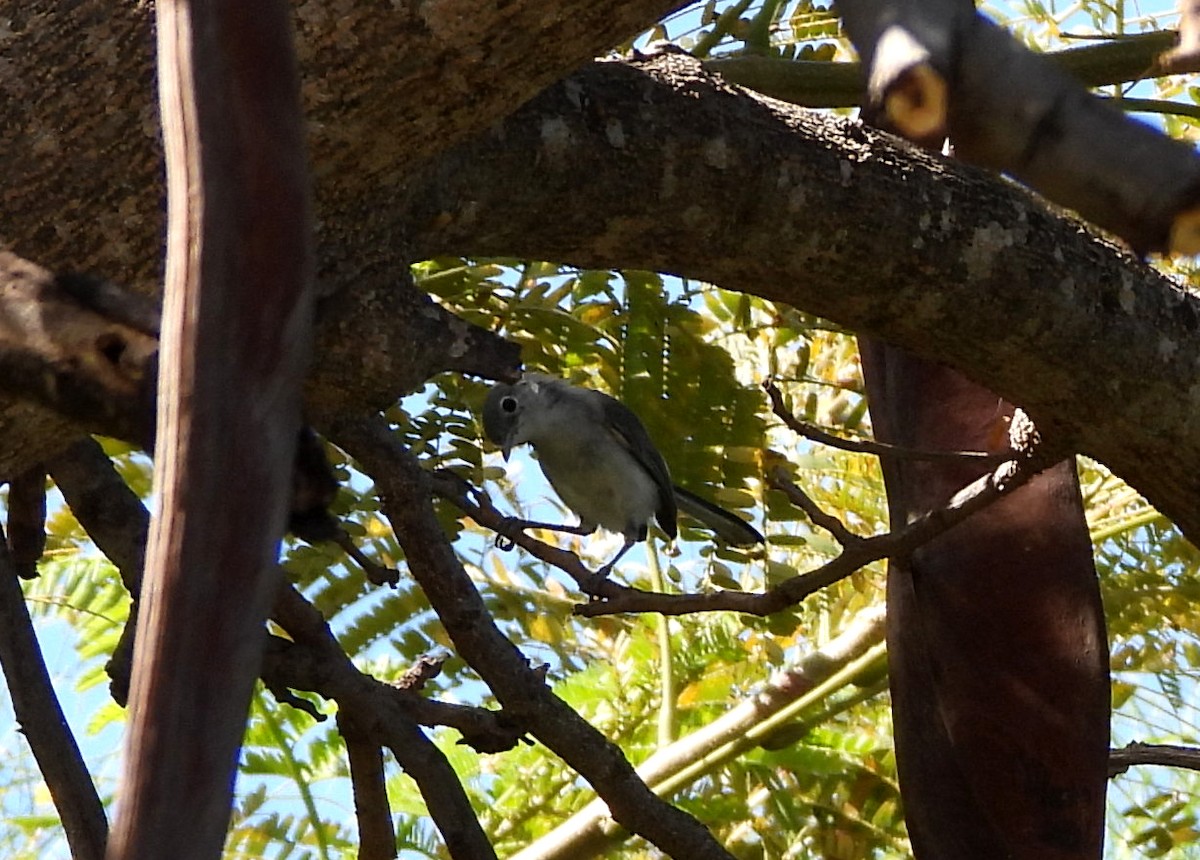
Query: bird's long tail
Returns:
{"type": "Point", "coordinates": [727, 526]}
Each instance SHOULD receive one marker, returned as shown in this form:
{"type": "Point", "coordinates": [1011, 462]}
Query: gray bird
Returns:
{"type": "Point", "coordinates": [599, 458]}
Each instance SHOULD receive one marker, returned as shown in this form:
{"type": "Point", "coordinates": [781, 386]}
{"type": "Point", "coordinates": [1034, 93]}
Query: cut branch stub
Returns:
{"type": "Point", "coordinates": [1013, 110]}
{"type": "Point", "coordinates": [59, 349]}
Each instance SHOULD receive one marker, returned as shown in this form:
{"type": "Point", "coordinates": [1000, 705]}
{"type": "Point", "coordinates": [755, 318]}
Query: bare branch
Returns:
{"type": "Point", "coordinates": [863, 446]}
{"type": "Point", "coordinates": [478, 505]}
{"type": "Point", "coordinates": [112, 514]}
{"type": "Point", "coordinates": [1133, 754]}
{"type": "Point", "coordinates": [27, 521]}
{"type": "Point", "coordinates": [43, 724]}
{"type": "Point", "coordinates": [376, 837]}
{"type": "Point", "coordinates": [236, 335]}
{"type": "Point", "coordinates": [959, 273]}
{"type": "Point", "coordinates": [610, 597]}
{"type": "Point", "coordinates": [118, 523]}
{"type": "Point", "coordinates": [780, 481]}
{"type": "Point", "coordinates": [857, 552]}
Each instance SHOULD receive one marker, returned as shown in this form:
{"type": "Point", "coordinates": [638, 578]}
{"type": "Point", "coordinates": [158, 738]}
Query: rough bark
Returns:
{"type": "Point", "coordinates": [81, 139]}
{"type": "Point", "coordinates": [1092, 321]}
{"type": "Point", "coordinates": [1099, 357]}
{"type": "Point", "coordinates": [850, 224]}
{"type": "Point", "coordinates": [83, 165]}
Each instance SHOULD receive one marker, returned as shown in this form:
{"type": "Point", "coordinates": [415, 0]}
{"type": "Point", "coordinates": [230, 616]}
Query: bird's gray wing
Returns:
{"type": "Point", "coordinates": [631, 433]}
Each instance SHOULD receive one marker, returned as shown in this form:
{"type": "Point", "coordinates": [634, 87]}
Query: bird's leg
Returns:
{"type": "Point", "coordinates": [377, 574]}
{"type": "Point", "coordinates": [511, 525]}
{"type": "Point", "coordinates": [603, 572]}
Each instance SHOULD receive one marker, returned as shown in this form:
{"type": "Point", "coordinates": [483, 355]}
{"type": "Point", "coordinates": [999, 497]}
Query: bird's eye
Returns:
{"type": "Point", "coordinates": [509, 404]}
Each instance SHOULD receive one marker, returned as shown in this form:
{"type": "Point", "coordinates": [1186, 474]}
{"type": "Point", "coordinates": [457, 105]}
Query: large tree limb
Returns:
{"type": "Point", "coordinates": [237, 330]}
{"type": "Point", "coordinates": [83, 162]}
{"type": "Point", "coordinates": [1104, 348]}
{"type": "Point", "coordinates": [996, 640]}
{"type": "Point", "coordinates": [80, 349]}
{"type": "Point", "coordinates": [758, 196]}
{"type": "Point", "coordinates": [99, 208]}
{"type": "Point", "coordinates": [80, 137]}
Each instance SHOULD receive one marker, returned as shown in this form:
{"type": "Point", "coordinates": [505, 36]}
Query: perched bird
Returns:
{"type": "Point", "coordinates": [599, 459]}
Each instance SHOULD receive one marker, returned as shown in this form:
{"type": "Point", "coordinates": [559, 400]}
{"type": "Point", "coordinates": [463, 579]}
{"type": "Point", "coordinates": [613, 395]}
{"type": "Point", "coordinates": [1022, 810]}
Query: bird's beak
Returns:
{"type": "Point", "coordinates": [507, 445]}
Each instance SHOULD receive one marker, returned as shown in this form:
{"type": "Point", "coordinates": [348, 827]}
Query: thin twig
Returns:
{"type": "Point", "coordinates": [820, 518]}
{"type": "Point", "coordinates": [865, 446]}
{"type": "Point", "coordinates": [478, 505]}
{"type": "Point", "coordinates": [1120, 760]}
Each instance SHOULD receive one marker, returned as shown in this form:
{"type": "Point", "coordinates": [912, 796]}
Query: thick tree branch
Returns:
{"type": "Point", "coordinates": [80, 126]}
{"type": "Point", "coordinates": [43, 723]}
{"type": "Point", "coordinates": [376, 836]}
{"type": "Point", "coordinates": [59, 348]}
{"type": "Point", "coordinates": [405, 491]}
{"type": "Point", "coordinates": [236, 333]}
{"type": "Point", "coordinates": [83, 164]}
{"type": "Point", "coordinates": [777, 202]}
{"type": "Point", "coordinates": [118, 522]}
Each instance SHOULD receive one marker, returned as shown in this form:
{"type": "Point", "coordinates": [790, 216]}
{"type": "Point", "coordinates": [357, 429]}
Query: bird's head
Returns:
{"type": "Point", "coordinates": [502, 417]}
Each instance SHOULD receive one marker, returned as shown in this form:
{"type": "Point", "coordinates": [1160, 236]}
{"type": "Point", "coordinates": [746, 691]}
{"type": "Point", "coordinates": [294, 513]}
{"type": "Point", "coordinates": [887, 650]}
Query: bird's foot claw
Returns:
{"type": "Point", "coordinates": [593, 586]}
{"type": "Point", "coordinates": [509, 527]}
